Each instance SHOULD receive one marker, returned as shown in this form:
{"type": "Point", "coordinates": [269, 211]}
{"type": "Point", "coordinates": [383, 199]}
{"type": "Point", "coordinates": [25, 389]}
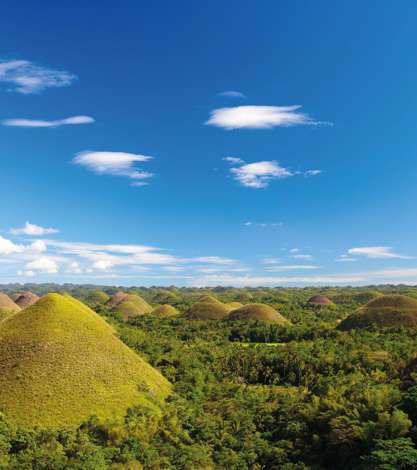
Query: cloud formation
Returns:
{"type": "Point", "coordinates": [233, 160]}
{"type": "Point", "coordinates": [26, 77]}
{"type": "Point", "coordinates": [232, 94]}
{"type": "Point", "coordinates": [74, 120]}
{"type": "Point", "coordinates": [116, 164]}
{"type": "Point", "coordinates": [260, 117]}
{"type": "Point", "coordinates": [377, 252]}
{"type": "Point", "coordinates": [259, 174]}
{"type": "Point", "coordinates": [33, 230]}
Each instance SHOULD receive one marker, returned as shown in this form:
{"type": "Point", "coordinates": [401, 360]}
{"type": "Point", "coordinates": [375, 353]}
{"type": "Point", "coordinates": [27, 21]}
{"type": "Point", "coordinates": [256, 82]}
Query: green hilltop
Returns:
{"type": "Point", "coordinates": [129, 305]}
{"type": "Point", "coordinates": [61, 363]}
{"type": "Point", "coordinates": [257, 311]}
{"type": "Point", "coordinates": [165, 311]}
{"type": "Point", "coordinates": [384, 311]}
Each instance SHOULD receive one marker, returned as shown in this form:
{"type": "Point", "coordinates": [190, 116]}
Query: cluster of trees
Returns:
{"type": "Point", "coordinates": [249, 395]}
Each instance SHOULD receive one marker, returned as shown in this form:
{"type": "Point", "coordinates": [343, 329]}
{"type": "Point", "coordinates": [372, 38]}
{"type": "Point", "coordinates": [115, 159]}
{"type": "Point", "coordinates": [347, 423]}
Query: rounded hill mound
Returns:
{"type": "Point", "coordinates": [26, 299]}
{"type": "Point", "coordinates": [260, 312]}
{"type": "Point", "coordinates": [233, 305]}
{"type": "Point", "coordinates": [61, 363]}
{"type": "Point", "coordinates": [129, 305]}
{"type": "Point", "coordinates": [209, 299]}
{"type": "Point", "coordinates": [7, 306]}
{"type": "Point", "coordinates": [207, 311]}
{"type": "Point", "coordinates": [165, 311]}
{"type": "Point", "coordinates": [97, 296]}
{"type": "Point", "coordinates": [320, 300]}
{"type": "Point", "coordinates": [384, 311]}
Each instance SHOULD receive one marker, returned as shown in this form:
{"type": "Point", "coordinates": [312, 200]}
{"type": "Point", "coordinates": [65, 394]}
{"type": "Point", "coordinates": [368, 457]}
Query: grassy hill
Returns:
{"type": "Point", "coordinates": [26, 299]}
{"type": "Point", "coordinates": [208, 309]}
{"type": "Point", "coordinates": [165, 311]}
{"type": "Point", "coordinates": [320, 300]}
{"type": "Point", "coordinates": [7, 306]}
{"type": "Point", "coordinates": [383, 311]}
{"type": "Point", "coordinates": [129, 305]}
{"type": "Point", "coordinates": [61, 363]}
{"type": "Point", "coordinates": [257, 312]}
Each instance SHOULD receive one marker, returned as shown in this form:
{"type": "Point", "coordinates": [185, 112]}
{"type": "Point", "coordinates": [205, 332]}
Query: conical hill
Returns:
{"type": "Point", "coordinates": [61, 363]}
{"type": "Point", "coordinates": [7, 306]}
{"type": "Point", "coordinates": [26, 299]}
{"type": "Point", "coordinates": [384, 311]}
{"type": "Point", "coordinates": [165, 311]}
{"type": "Point", "coordinates": [260, 312]}
{"type": "Point", "coordinates": [129, 305]}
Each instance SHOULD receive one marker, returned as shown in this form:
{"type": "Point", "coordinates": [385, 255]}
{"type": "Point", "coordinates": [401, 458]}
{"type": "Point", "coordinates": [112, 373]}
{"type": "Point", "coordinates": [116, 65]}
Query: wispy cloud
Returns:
{"type": "Point", "coordinates": [116, 164]}
{"type": "Point", "coordinates": [291, 267]}
{"type": "Point", "coordinates": [232, 94]}
{"type": "Point", "coordinates": [312, 172]}
{"type": "Point", "coordinates": [258, 175]}
{"type": "Point", "coordinates": [302, 256]}
{"type": "Point", "coordinates": [26, 77]}
{"type": "Point", "coordinates": [392, 276]}
{"type": "Point", "coordinates": [33, 230]}
{"type": "Point", "coordinates": [260, 117]}
{"type": "Point", "coordinates": [43, 264]}
{"type": "Point", "coordinates": [74, 120]}
{"type": "Point", "coordinates": [377, 252]}
{"type": "Point", "coordinates": [233, 160]}
{"type": "Point", "coordinates": [263, 224]}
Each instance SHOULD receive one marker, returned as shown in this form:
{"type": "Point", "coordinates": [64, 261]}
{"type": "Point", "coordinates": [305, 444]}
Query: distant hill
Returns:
{"type": "Point", "coordinates": [258, 311]}
{"type": "Point", "coordinates": [319, 300]}
{"type": "Point", "coordinates": [7, 306]}
{"type": "Point", "coordinates": [383, 311]}
{"type": "Point", "coordinates": [60, 363]}
{"type": "Point", "coordinates": [209, 308]}
{"type": "Point", "coordinates": [129, 305]}
{"type": "Point", "coordinates": [26, 299]}
{"type": "Point", "coordinates": [165, 311]}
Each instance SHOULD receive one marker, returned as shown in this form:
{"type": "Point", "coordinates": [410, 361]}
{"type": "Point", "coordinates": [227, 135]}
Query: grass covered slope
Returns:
{"type": "Point", "coordinates": [165, 311]}
{"type": "Point", "coordinates": [384, 311]}
{"type": "Point", "coordinates": [207, 310]}
{"type": "Point", "coordinates": [26, 299]}
{"type": "Point", "coordinates": [319, 300]}
{"type": "Point", "coordinates": [260, 312]}
{"type": "Point", "coordinates": [129, 305]}
{"type": "Point", "coordinates": [7, 306]}
{"type": "Point", "coordinates": [60, 363]}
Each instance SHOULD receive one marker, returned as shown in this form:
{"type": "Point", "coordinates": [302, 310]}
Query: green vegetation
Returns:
{"type": "Point", "coordinates": [245, 395]}
{"type": "Point", "coordinates": [259, 312]}
{"type": "Point", "coordinates": [384, 311]}
{"type": "Point", "coordinates": [165, 311]}
{"type": "Point", "coordinates": [61, 363]}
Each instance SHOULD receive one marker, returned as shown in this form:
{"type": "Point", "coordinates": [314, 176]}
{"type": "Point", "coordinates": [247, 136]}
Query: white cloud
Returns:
{"type": "Point", "coordinates": [26, 273]}
{"type": "Point", "coordinates": [26, 77]}
{"type": "Point", "coordinates": [232, 94]}
{"type": "Point", "coordinates": [292, 267]}
{"type": "Point", "coordinates": [114, 163]}
{"type": "Point", "coordinates": [7, 247]}
{"type": "Point", "coordinates": [263, 224]}
{"type": "Point", "coordinates": [234, 160]}
{"type": "Point", "coordinates": [294, 250]}
{"type": "Point", "coordinates": [74, 120]}
{"type": "Point", "coordinates": [345, 258]}
{"type": "Point", "coordinates": [301, 256]}
{"type": "Point", "coordinates": [33, 230]}
{"type": "Point", "coordinates": [43, 264]}
{"type": "Point", "coordinates": [74, 268]}
{"type": "Point", "coordinates": [271, 261]}
{"type": "Point", "coordinates": [39, 246]}
{"type": "Point", "coordinates": [260, 117]}
{"type": "Point", "coordinates": [377, 252]}
{"type": "Point", "coordinates": [312, 172]}
{"type": "Point", "coordinates": [213, 260]}
{"type": "Point", "coordinates": [259, 174]}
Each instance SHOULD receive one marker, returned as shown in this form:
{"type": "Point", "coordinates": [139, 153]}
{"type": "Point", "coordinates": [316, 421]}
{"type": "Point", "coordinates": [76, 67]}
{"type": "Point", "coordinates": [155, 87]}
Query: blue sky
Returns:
{"type": "Point", "coordinates": [282, 135]}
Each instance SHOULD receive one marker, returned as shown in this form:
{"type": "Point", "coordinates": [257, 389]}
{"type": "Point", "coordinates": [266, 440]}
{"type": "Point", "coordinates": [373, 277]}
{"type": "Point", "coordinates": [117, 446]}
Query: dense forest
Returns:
{"type": "Point", "coordinates": [246, 394]}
